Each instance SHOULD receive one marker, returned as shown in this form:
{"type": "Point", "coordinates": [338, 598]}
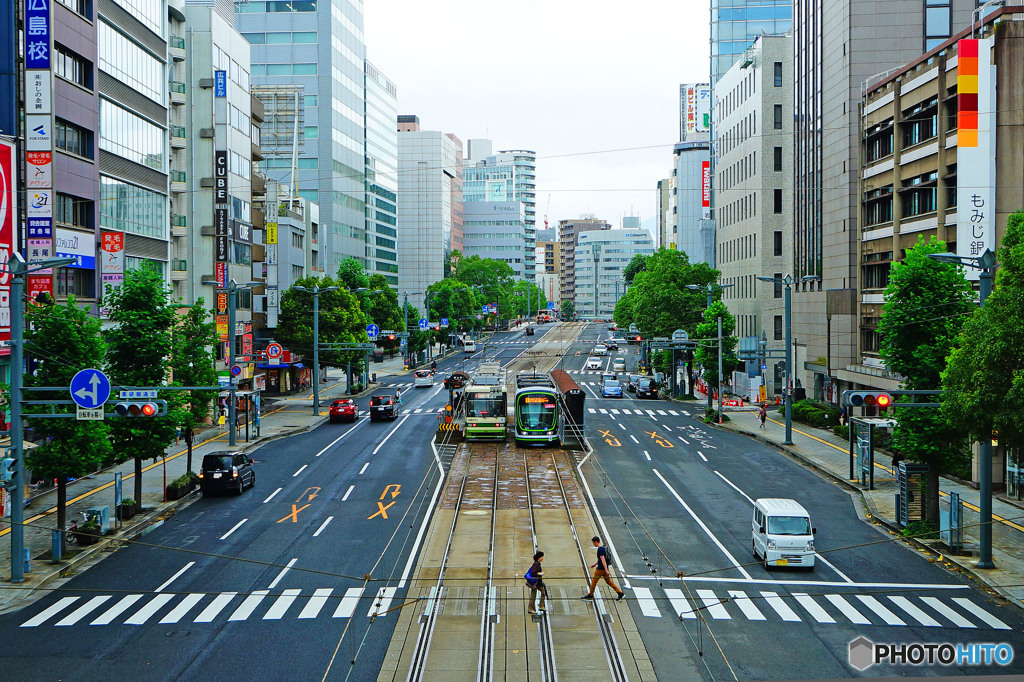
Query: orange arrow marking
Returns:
{"type": "Point", "coordinates": [394, 493]}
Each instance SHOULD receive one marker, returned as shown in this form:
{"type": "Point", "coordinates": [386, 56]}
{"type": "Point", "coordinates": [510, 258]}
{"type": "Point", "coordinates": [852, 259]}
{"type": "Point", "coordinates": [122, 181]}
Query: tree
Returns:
{"type": "Point", "coordinates": [454, 300]}
{"type": "Point", "coordinates": [984, 377]}
{"type": "Point", "coordinates": [64, 339]}
{"type": "Point", "coordinates": [516, 302]}
{"type": "Point", "coordinates": [194, 338]}
{"type": "Point", "coordinates": [451, 263]}
{"type": "Point", "coordinates": [139, 352]}
{"type": "Point", "coordinates": [568, 309]}
{"type": "Point", "coordinates": [417, 340]}
{"type": "Point", "coordinates": [637, 265]}
{"type": "Point", "coordinates": [707, 352]}
{"type": "Point", "coordinates": [924, 307]}
{"type": "Point", "coordinates": [352, 275]}
{"type": "Point", "coordinates": [658, 302]}
{"type": "Point", "coordinates": [484, 272]}
{"type": "Point", "coordinates": [380, 305]}
{"type": "Point", "coordinates": [341, 320]}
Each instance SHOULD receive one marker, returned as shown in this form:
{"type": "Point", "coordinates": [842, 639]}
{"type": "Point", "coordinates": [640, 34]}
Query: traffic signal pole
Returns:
{"type": "Point", "coordinates": [17, 269]}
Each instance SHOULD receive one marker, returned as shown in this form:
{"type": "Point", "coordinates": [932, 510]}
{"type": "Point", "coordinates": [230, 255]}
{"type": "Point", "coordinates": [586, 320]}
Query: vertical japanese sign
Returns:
{"type": "Point", "coordinates": [8, 218]}
{"type": "Point", "coordinates": [39, 142]}
{"type": "Point", "coordinates": [975, 150]}
{"type": "Point", "coordinates": [222, 315]}
{"type": "Point", "coordinates": [111, 261]}
{"type": "Point", "coordinates": [222, 232]}
{"type": "Point", "coordinates": [8, 68]}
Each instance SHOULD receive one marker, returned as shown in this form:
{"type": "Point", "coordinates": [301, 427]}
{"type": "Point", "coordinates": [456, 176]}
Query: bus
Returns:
{"type": "Point", "coordinates": [486, 403]}
{"type": "Point", "coordinates": [536, 410]}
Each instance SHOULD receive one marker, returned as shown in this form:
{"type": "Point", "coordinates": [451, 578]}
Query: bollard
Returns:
{"type": "Point", "coordinates": [28, 561]}
{"type": "Point", "coordinates": [55, 543]}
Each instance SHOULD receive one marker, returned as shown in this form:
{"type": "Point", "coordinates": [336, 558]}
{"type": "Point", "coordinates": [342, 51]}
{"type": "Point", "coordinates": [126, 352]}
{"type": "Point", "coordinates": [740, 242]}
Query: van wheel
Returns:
{"type": "Point", "coordinates": [753, 550]}
{"type": "Point", "coordinates": [767, 566]}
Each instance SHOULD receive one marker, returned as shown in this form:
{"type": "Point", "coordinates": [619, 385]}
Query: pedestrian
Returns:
{"type": "Point", "coordinates": [602, 570]}
{"type": "Point", "coordinates": [535, 581]}
{"type": "Point", "coordinates": [763, 414]}
{"type": "Point", "coordinates": [843, 417]}
{"type": "Point", "coordinates": [897, 457]}
{"type": "Point", "coordinates": [398, 396]}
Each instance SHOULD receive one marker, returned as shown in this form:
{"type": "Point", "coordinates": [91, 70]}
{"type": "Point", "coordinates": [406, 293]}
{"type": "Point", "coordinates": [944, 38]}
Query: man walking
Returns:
{"type": "Point", "coordinates": [601, 570]}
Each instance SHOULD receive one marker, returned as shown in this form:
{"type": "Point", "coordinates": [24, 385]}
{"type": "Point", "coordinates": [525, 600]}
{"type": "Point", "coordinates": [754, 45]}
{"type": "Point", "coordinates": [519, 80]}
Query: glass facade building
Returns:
{"type": "Point", "coordinates": [735, 24]}
{"type": "Point", "coordinates": [381, 175]}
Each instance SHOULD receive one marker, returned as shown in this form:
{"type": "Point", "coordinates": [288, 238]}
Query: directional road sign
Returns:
{"type": "Point", "coordinates": [764, 367]}
{"type": "Point", "coordinates": [372, 330]}
{"type": "Point", "coordinates": [90, 388]}
{"type": "Point", "coordinates": [484, 308]}
{"type": "Point", "coordinates": [423, 323]}
{"type": "Point", "coordinates": [444, 321]}
{"type": "Point", "coordinates": [680, 335]}
{"type": "Point", "coordinates": [551, 305]}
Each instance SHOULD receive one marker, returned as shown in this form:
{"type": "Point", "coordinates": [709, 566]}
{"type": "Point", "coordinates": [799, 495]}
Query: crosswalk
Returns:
{"type": "Point", "coordinates": [140, 609]}
{"type": "Point", "coordinates": [642, 413]}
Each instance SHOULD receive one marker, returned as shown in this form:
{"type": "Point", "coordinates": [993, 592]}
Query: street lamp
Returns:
{"type": "Point", "coordinates": [787, 282]}
{"type": "Point", "coordinates": [710, 289]}
{"type": "Point", "coordinates": [316, 291]}
{"type": "Point", "coordinates": [17, 270]}
{"type": "Point", "coordinates": [986, 262]}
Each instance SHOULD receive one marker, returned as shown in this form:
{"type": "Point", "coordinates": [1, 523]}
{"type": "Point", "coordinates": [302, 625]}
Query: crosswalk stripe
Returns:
{"type": "Point", "coordinates": [417, 410]}
{"type": "Point", "coordinates": [949, 613]}
{"type": "Point", "coordinates": [179, 611]}
{"type": "Point", "coordinates": [348, 603]}
{"type": "Point", "coordinates": [819, 614]}
{"type": "Point", "coordinates": [591, 410]}
{"type": "Point", "coordinates": [83, 611]}
{"type": "Point", "coordinates": [215, 607]}
{"type": "Point", "coordinates": [679, 603]}
{"type": "Point", "coordinates": [673, 413]}
{"type": "Point", "coordinates": [316, 602]}
{"type": "Point", "coordinates": [915, 613]}
{"type": "Point", "coordinates": [781, 608]}
{"type": "Point", "coordinates": [146, 612]}
{"type": "Point", "coordinates": [885, 614]}
{"type": "Point", "coordinates": [614, 411]}
{"type": "Point", "coordinates": [714, 605]}
{"type": "Point", "coordinates": [281, 604]}
{"type": "Point", "coordinates": [646, 602]}
{"type": "Point", "coordinates": [662, 413]}
{"type": "Point", "coordinates": [847, 609]}
{"type": "Point", "coordinates": [116, 610]}
{"type": "Point", "coordinates": [249, 605]}
{"type": "Point", "coordinates": [981, 613]}
{"type": "Point", "coordinates": [746, 605]}
{"type": "Point", "coordinates": [602, 410]}
{"type": "Point", "coordinates": [53, 610]}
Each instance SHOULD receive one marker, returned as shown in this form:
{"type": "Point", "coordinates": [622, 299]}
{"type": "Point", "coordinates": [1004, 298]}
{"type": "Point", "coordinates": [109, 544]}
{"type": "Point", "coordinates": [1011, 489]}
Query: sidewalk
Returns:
{"type": "Point", "coordinates": [828, 454]}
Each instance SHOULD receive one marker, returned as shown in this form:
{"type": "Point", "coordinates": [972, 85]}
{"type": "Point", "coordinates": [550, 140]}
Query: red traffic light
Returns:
{"type": "Point", "coordinates": [136, 409]}
{"type": "Point", "coordinates": [879, 399]}
{"type": "Point", "coordinates": [391, 337]}
{"type": "Point", "coordinates": [637, 337]}
{"type": "Point", "coordinates": [883, 400]}
{"type": "Point", "coordinates": [148, 409]}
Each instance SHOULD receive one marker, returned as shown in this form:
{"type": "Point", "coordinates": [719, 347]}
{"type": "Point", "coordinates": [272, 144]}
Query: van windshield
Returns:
{"type": "Point", "coordinates": [789, 525]}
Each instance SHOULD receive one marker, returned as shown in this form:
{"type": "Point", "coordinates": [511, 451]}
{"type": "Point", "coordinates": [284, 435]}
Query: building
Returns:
{"type": "Point", "coordinates": [568, 230]}
{"type": "Point", "coordinates": [839, 45]}
{"type": "Point", "coordinates": [381, 175]}
{"type": "Point", "coordinates": [666, 227]}
{"type": "Point", "coordinates": [694, 112]}
{"type": "Point", "coordinates": [495, 230]}
{"type": "Point", "coordinates": [429, 199]}
{"type": "Point", "coordinates": [693, 229]}
{"type": "Point", "coordinates": [753, 193]}
{"type": "Point", "coordinates": [547, 253]}
{"type": "Point", "coordinates": [736, 23]}
{"type": "Point", "coordinates": [601, 256]}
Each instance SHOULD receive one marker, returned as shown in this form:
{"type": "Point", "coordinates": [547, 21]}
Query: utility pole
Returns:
{"type": "Point", "coordinates": [405, 329]}
{"type": "Point", "coordinates": [719, 369]}
{"type": "Point", "coordinates": [788, 281]}
{"type": "Point", "coordinates": [232, 421]}
{"type": "Point", "coordinates": [316, 291]}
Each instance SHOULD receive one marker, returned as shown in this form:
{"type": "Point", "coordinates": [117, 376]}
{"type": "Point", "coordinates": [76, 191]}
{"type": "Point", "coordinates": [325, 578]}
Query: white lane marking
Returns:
{"type": "Point", "coordinates": [819, 614]}
{"type": "Point", "coordinates": [175, 576]}
{"type": "Point", "coordinates": [591, 410]}
{"type": "Point", "coordinates": [903, 587]}
{"type": "Point", "coordinates": [733, 486]}
{"type": "Point", "coordinates": [746, 605]}
{"type": "Point", "coordinates": [315, 603]}
{"type": "Point", "coordinates": [348, 603]}
{"type": "Point", "coordinates": [248, 606]}
{"type": "Point", "coordinates": [700, 523]}
{"type": "Point", "coordinates": [364, 468]}
{"type": "Point", "coordinates": [647, 456]}
{"type": "Point", "coordinates": [272, 495]}
{"type": "Point", "coordinates": [426, 517]}
{"type": "Point", "coordinates": [853, 614]}
{"type": "Point", "coordinates": [326, 521]}
{"type": "Point", "coordinates": [280, 575]}
{"type": "Point", "coordinates": [713, 605]}
{"type": "Point", "coordinates": [684, 440]}
{"type": "Point", "coordinates": [347, 493]}
{"type": "Point", "coordinates": [614, 411]}
{"type": "Point", "coordinates": [300, 470]}
{"type": "Point", "coordinates": [634, 439]}
{"type": "Point", "coordinates": [281, 604]}
{"type": "Point", "coordinates": [116, 610]}
{"type": "Point", "coordinates": [650, 413]}
{"type": "Point", "coordinates": [236, 527]}
{"type": "Point", "coordinates": [679, 603]}
{"type": "Point", "coordinates": [215, 607]}
{"type": "Point", "coordinates": [82, 611]}
{"type": "Point", "coordinates": [602, 410]}
{"type": "Point", "coordinates": [53, 610]}
{"type": "Point", "coordinates": [382, 602]}
{"type": "Point", "coordinates": [417, 410]}
{"type": "Point", "coordinates": [949, 613]}
{"type": "Point", "coordinates": [781, 608]}
{"type": "Point", "coordinates": [612, 416]}
{"type": "Point", "coordinates": [390, 433]}
{"type": "Point", "coordinates": [183, 607]}
{"type": "Point", "coordinates": [146, 612]}
{"type": "Point", "coordinates": [981, 613]}
{"type": "Point", "coordinates": [885, 614]}
{"type": "Point", "coordinates": [586, 386]}
{"type": "Point", "coordinates": [622, 426]}
{"type": "Point", "coordinates": [915, 613]}
{"type": "Point", "coordinates": [344, 435]}
{"type": "Point", "coordinates": [646, 602]}
{"type": "Point", "coordinates": [702, 456]}
{"type": "Point", "coordinates": [838, 572]}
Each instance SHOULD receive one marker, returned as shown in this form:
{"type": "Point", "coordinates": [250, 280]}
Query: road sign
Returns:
{"type": "Point", "coordinates": [372, 330]}
{"type": "Point", "coordinates": [138, 394]}
{"type": "Point", "coordinates": [484, 308]}
{"type": "Point", "coordinates": [83, 414]}
{"type": "Point", "coordinates": [90, 388]}
{"type": "Point", "coordinates": [764, 367]}
{"type": "Point", "coordinates": [274, 351]}
{"type": "Point", "coordinates": [680, 335]}
{"type": "Point", "coordinates": [479, 317]}
{"type": "Point", "coordinates": [236, 370]}
{"type": "Point", "coordinates": [551, 305]}
{"type": "Point", "coordinates": [444, 321]}
{"type": "Point", "coordinates": [423, 323]}
{"type": "Point", "coordinates": [632, 329]}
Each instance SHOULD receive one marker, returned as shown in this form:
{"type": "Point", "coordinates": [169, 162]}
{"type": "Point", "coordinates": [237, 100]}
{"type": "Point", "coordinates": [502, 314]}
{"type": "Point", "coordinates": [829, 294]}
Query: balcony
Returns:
{"type": "Point", "coordinates": [179, 269]}
{"type": "Point", "coordinates": [177, 137]}
{"type": "Point", "coordinates": [178, 180]}
{"type": "Point", "coordinates": [178, 220]}
{"type": "Point", "coordinates": [177, 90]}
{"type": "Point", "coordinates": [176, 46]}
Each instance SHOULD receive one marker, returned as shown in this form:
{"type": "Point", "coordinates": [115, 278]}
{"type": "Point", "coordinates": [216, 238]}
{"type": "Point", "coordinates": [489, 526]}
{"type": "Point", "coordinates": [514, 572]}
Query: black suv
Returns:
{"type": "Point", "coordinates": [223, 471]}
{"type": "Point", "coordinates": [646, 388]}
{"type": "Point", "coordinates": [384, 407]}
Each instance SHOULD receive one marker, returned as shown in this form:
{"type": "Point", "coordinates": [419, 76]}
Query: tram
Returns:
{"type": "Point", "coordinates": [536, 410]}
{"type": "Point", "coordinates": [486, 403]}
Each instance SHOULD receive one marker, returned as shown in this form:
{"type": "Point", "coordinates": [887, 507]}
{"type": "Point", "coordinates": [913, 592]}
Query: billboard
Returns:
{"type": "Point", "coordinates": [694, 111]}
{"type": "Point", "coordinates": [705, 189]}
{"type": "Point", "coordinates": [8, 218]}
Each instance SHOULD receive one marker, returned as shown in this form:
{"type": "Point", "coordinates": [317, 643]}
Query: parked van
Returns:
{"type": "Point", "coordinates": [782, 534]}
{"type": "Point", "coordinates": [469, 347]}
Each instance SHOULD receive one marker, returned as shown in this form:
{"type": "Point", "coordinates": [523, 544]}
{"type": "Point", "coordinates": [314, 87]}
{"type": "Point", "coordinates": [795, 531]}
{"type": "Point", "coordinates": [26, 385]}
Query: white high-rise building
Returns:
{"type": "Point", "coordinates": [601, 256]}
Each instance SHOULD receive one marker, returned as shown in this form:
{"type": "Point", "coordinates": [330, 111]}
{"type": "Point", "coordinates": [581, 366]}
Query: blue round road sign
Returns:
{"type": "Point", "coordinates": [372, 330]}
{"type": "Point", "coordinates": [236, 370]}
{"type": "Point", "coordinates": [90, 388]}
{"type": "Point", "coordinates": [423, 323]}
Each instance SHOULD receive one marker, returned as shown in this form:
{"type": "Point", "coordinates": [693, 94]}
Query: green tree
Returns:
{"type": "Point", "coordinates": [658, 302]}
{"type": "Point", "coordinates": [636, 265]}
{"type": "Point", "coordinates": [451, 263]}
{"type": "Point", "coordinates": [139, 352]}
{"type": "Point", "coordinates": [484, 272]}
{"type": "Point", "coordinates": [341, 320]}
{"type": "Point", "coordinates": [64, 339]}
{"type": "Point", "coordinates": [194, 338]}
{"type": "Point", "coordinates": [707, 351]}
{"type": "Point", "coordinates": [380, 305]}
{"type": "Point", "coordinates": [516, 300]}
{"type": "Point", "coordinates": [568, 310]}
{"type": "Point", "coordinates": [984, 377]}
{"type": "Point", "coordinates": [417, 340]}
{"type": "Point", "coordinates": [924, 308]}
{"type": "Point", "coordinates": [454, 300]}
{"type": "Point", "coordinates": [352, 275]}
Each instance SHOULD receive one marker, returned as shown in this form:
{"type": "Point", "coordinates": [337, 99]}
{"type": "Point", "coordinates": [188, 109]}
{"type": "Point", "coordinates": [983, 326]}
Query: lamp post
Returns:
{"type": "Point", "coordinates": [710, 290]}
{"type": "Point", "coordinates": [986, 262]}
{"type": "Point", "coordinates": [316, 291]}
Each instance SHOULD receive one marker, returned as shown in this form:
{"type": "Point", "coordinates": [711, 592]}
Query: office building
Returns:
{"type": "Point", "coordinates": [547, 258]}
{"type": "Point", "coordinates": [694, 229]}
{"type": "Point", "coordinates": [568, 231]}
{"type": "Point", "coordinates": [381, 175]}
{"type": "Point", "coordinates": [600, 258]}
{"type": "Point", "coordinates": [735, 24]}
{"type": "Point", "coordinates": [666, 228]}
{"type": "Point", "coordinates": [495, 230]}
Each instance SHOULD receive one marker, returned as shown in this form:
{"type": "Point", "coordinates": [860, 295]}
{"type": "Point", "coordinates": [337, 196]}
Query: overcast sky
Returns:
{"type": "Point", "coordinates": [569, 80]}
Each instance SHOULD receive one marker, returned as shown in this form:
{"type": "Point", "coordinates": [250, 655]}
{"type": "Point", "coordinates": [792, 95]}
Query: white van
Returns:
{"type": "Point", "coordinates": [469, 347]}
{"type": "Point", "coordinates": [782, 534]}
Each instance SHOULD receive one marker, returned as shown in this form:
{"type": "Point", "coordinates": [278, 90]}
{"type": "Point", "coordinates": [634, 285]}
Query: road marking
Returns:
{"type": "Point", "coordinates": [248, 606]}
{"type": "Point", "coordinates": [634, 439]}
{"type": "Point", "coordinates": [745, 604]}
{"type": "Point", "coordinates": [146, 612]}
{"type": "Point", "coordinates": [981, 613]}
{"type": "Point", "coordinates": [215, 607]}
{"type": "Point", "coordinates": [673, 413]}
{"type": "Point", "coordinates": [348, 603]}
{"type": "Point", "coordinates": [272, 495]}
{"type": "Point", "coordinates": [781, 608]}
{"type": "Point", "coordinates": [173, 577]}
{"type": "Point", "coordinates": [614, 411]}
{"type": "Point", "coordinates": [662, 413]}
{"type": "Point", "coordinates": [82, 611]}
{"type": "Point", "coordinates": [179, 611]}
{"type": "Point", "coordinates": [702, 456]}
{"type": "Point", "coordinates": [646, 602]}
{"type": "Point", "coordinates": [914, 612]}
{"type": "Point", "coordinates": [713, 605]}
{"type": "Point", "coordinates": [315, 603]}
{"type": "Point", "coordinates": [733, 485]}
{"type": "Point", "coordinates": [700, 523]}
{"type": "Point", "coordinates": [602, 410]}
{"type": "Point", "coordinates": [819, 614]}
{"type": "Point", "coordinates": [390, 433]}
{"type": "Point", "coordinates": [949, 613]}
{"type": "Point", "coordinates": [348, 492]}
{"type": "Point", "coordinates": [622, 426]}
{"type": "Point", "coordinates": [116, 610]}
{"type": "Point", "coordinates": [236, 527]}
{"type": "Point", "coordinates": [300, 470]}
{"type": "Point", "coordinates": [853, 614]}
{"type": "Point", "coordinates": [684, 440]}
{"type": "Point", "coordinates": [280, 575]}
{"type": "Point", "coordinates": [327, 521]}
{"type": "Point", "coordinates": [382, 602]}
{"type": "Point", "coordinates": [382, 510]}
{"type": "Point", "coordinates": [592, 410]}
{"type": "Point", "coordinates": [281, 604]}
{"type": "Point", "coordinates": [647, 456]}
{"type": "Point", "coordinates": [364, 468]}
{"type": "Point", "coordinates": [417, 410]}
{"type": "Point", "coordinates": [294, 516]}
{"type": "Point", "coordinates": [885, 614]}
{"type": "Point", "coordinates": [344, 435]}
{"type": "Point", "coordinates": [838, 572]}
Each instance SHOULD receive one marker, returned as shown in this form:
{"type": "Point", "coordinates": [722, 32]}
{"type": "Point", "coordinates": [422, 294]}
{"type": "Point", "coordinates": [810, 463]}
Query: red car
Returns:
{"type": "Point", "coordinates": [344, 409]}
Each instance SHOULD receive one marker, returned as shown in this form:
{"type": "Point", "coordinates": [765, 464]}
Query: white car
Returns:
{"type": "Point", "coordinates": [593, 363]}
{"type": "Point", "coordinates": [619, 364]}
{"type": "Point", "coordinates": [600, 349]}
{"type": "Point", "coordinates": [424, 377]}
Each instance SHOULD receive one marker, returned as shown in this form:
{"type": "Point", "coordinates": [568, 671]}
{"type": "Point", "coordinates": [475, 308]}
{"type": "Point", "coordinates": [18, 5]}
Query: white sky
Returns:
{"type": "Point", "coordinates": [563, 78]}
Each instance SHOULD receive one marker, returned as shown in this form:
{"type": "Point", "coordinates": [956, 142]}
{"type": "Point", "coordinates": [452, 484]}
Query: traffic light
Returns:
{"type": "Point", "coordinates": [638, 338]}
{"type": "Point", "coordinates": [144, 409]}
{"type": "Point", "coordinates": [7, 469]}
{"type": "Point", "coordinates": [878, 399]}
{"type": "Point", "coordinates": [391, 337]}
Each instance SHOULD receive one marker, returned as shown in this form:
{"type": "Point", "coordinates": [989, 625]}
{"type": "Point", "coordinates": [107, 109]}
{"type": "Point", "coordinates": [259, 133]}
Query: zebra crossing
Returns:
{"type": "Point", "coordinates": [202, 607]}
{"type": "Point", "coordinates": [642, 413]}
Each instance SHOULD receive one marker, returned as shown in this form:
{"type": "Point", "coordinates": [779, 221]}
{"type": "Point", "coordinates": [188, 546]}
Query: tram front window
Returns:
{"type": "Point", "coordinates": [485, 407]}
{"type": "Point", "coordinates": [537, 412]}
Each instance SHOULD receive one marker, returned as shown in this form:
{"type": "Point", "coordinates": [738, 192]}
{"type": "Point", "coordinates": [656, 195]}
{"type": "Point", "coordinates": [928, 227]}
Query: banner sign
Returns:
{"type": "Point", "coordinates": [705, 189]}
{"type": "Point", "coordinates": [220, 176]}
{"type": "Point", "coordinates": [37, 34]}
{"type": "Point", "coordinates": [8, 220]}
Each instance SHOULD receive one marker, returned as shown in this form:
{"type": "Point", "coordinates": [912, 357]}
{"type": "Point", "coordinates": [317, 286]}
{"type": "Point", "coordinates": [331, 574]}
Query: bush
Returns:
{"type": "Point", "coordinates": [711, 416]}
{"type": "Point", "coordinates": [88, 533]}
{"type": "Point", "coordinates": [182, 485]}
{"type": "Point", "coordinates": [818, 414]}
{"type": "Point", "coordinates": [841, 431]}
{"type": "Point", "coordinates": [922, 530]}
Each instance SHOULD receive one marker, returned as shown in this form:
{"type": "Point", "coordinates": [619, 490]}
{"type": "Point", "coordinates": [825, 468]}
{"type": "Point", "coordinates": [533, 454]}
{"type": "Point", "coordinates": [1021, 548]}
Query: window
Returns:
{"type": "Point", "coordinates": [131, 208]}
{"type": "Point", "coordinates": [777, 159]}
{"type": "Point", "coordinates": [778, 117]}
{"type": "Point", "coordinates": [311, 132]}
{"type": "Point", "coordinates": [82, 7]}
{"type": "Point", "coordinates": [72, 210]}
{"type": "Point", "coordinates": [777, 251]}
{"type": "Point", "coordinates": [876, 275]}
{"type": "Point", "coordinates": [778, 327]}
{"type": "Point", "coordinates": [309, 100]}
{"type": "Point", "coordinates": [920, 129]}
{"type": "Point", "coordinates": [778, 285]}
{"type": "Point", "coordinates": [297, 271]}
{"type": "Point", "coordinates": [777, 200]}
{"type": "Point", "coordinates": [136, 139]}
{"type": "Point", "coordinates": [78, 282]}
{"type": "Point", "coordinates": [129, 63]}
{"type": "Point", "coordinates": [71, 66]}
{"type": "Point", "coordinates": [297, 240]}
{"type": "Point", "coordinates": [778, 74]}
{"type": "Point", "coordinates": [73, 139]}
{"type": "Point", "coordinates": [879, 146]}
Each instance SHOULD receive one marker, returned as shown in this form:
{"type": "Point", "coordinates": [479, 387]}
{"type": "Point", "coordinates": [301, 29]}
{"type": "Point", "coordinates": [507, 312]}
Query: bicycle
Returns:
{"type": "Point", "coordinates": [71, 533]}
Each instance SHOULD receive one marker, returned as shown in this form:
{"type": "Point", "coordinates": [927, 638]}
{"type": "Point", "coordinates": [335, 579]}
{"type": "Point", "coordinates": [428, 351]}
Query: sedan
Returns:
{"type": "Point", "coordinates": [424, 377]}
{"type": "Point", "coordinates": [593, 362]}
{"type": "Point", "coordinates": [646, 388]}
{"type": "Point", "coordinates": [344, 409]}
{"type": "Point", "coordinates": [633, 380]}
{"type": "Point", "coordinates": [610, 344]}
{"type": "Point", "coordinates": [619, 364]}
{"type": "Point", "coordinates": [611, 389]}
